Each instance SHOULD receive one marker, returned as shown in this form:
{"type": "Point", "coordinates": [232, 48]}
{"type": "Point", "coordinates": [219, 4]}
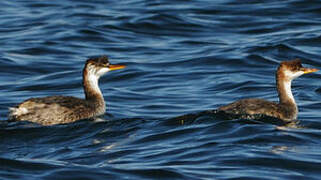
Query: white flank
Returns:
{"type": "Point", "coordinates": [18, 111]}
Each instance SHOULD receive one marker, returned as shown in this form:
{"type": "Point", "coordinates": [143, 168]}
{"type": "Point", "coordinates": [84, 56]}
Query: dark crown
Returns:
{"type": "Point", "coordinates": [98, 61]}
{"type": "Point", "coordinates": [293, 65]}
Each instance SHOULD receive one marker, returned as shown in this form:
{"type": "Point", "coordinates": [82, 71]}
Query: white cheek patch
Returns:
{"type": "Point", "coordinates": [292, 75]}
{"type": "Point", "coordinates": [94, 75]}
{"type": "Point", "coordinates": [102, 71]}
{"type": "Point", "coordinates": [297, 74]}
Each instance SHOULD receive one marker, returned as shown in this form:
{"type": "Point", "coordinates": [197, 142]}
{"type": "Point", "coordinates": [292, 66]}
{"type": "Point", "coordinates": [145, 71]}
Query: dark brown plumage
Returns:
{"type": "Point", "coordinates": [286, 109]}
{"type": "Point", "coordinates": [65, 109]}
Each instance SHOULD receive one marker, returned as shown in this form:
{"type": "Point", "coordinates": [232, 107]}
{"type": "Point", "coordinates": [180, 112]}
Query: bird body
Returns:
{"type": "Point", "coordinates": [65, 109]}
{"type": "Point", "coordinates": [286, 109]}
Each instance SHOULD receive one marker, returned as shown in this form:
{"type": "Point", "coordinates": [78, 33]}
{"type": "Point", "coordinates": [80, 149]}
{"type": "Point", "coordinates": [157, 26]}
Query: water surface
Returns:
{"type": "Point", "coordinates": [182, 57]}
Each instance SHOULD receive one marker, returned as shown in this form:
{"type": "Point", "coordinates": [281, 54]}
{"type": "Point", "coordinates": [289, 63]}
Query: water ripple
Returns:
{"type": "Point", "coordinates": [183, 58]}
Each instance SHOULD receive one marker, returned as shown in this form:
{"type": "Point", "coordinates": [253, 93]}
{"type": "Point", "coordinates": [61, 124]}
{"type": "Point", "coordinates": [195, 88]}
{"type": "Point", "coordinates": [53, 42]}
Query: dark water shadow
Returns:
{"type": "Point", "coordinates": [216, 115]}
{"type": "Point", "coordinates": [203, 117]}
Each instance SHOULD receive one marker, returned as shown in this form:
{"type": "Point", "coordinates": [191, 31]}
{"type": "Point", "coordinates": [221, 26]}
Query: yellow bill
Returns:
{"type": "Point", "coordinates": [309, 70]}
{"type": "Point", "coordinates": [116, 66]}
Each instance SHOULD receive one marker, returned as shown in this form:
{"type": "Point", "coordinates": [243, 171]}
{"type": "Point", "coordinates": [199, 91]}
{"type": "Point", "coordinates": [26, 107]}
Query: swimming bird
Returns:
{"type": "Point", "coordinates": [286, 109]}
{"type": "Point", "coordinates": [65, 109]}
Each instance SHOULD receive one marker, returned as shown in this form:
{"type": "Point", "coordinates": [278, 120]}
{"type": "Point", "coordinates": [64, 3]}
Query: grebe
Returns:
{"type": "Point", "coordinates": [286, 109]}
{"type": "Point", "coordinates": [65, 109]}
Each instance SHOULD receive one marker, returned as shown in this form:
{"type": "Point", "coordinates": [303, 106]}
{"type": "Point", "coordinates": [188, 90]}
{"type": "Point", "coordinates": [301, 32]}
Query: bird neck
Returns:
{"type": "Point", "coordinates": [284, 89]}
{"type": "Point", "coordinates": [92, 90]}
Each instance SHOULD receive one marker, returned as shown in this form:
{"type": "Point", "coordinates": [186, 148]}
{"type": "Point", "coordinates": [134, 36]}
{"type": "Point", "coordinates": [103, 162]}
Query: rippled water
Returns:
{"type": "Point", "coordinates": [182, 57]}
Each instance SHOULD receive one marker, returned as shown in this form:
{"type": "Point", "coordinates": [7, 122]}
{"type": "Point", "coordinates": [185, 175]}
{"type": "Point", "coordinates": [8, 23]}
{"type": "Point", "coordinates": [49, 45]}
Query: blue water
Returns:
{"type": "Point", "coordinates": [182, 57]}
